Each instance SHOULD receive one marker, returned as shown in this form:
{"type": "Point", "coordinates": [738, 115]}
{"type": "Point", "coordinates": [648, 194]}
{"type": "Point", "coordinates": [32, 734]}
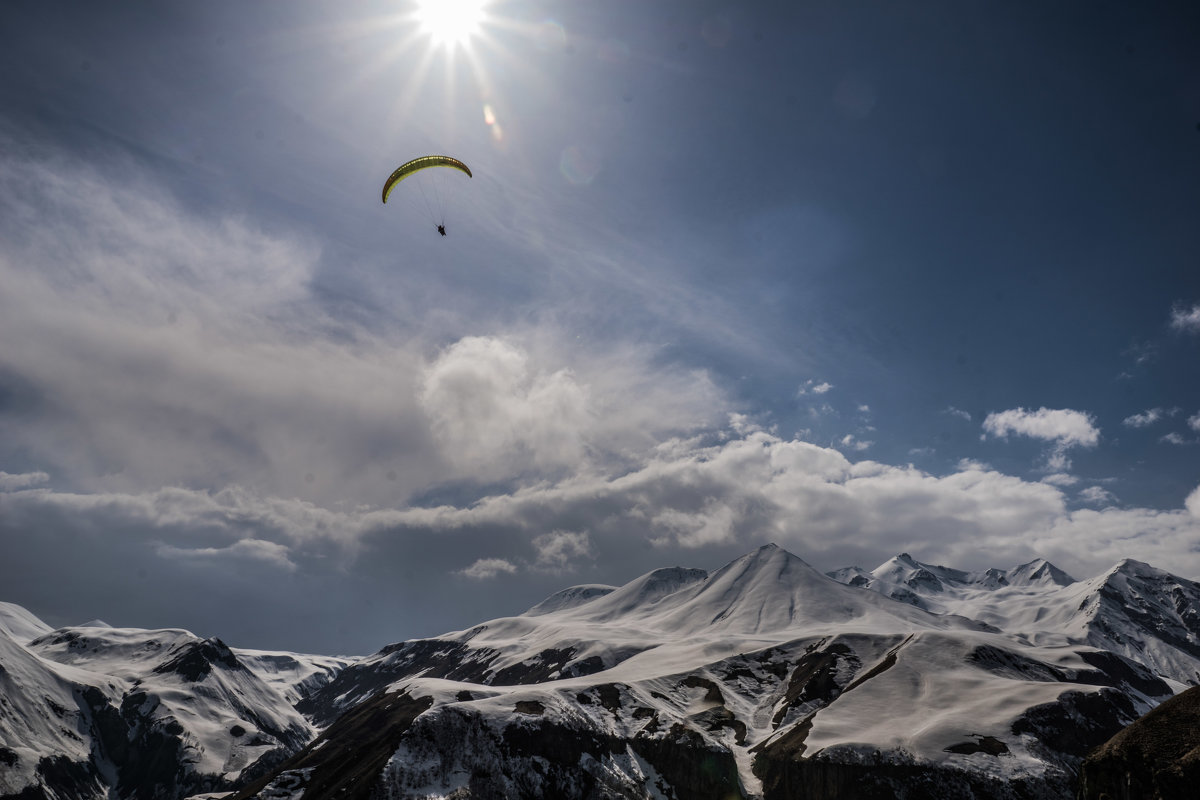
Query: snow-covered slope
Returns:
{"type": "Point", "coordinates": [665, 620]}
{"type": "Point", "coordinates": [752, 681]}
{"type": "Point", "coordinates": [293, 675]}
{"type": "Point", "coordinates": [45, 732]}
{"type": "Point", "coordinates": [1134, 609]}
{"type": "Point", "coordinates": [197, 690]}
{"type": "Point", "coordinates": [762, 669]}
{"type": "Point", "coordinates": [19, 624]}
{"type": "Point", "coordinates": [95, 711]}
{"type": "Point", "coordinates": [1146, 614]}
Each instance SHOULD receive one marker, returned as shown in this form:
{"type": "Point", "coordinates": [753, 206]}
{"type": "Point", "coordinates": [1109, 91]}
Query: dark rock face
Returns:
{"type": "Point", "coordinates": [822, 779]}
{"type": "Point", "coordinates": [347, 760]}
{"type": "Point", "coordinates": [195, 660]}
{"type": "Point", "coordinates": [441, 658]}
{"type": "Point", "coordinates": [1155, 758]}
{"type": "Point", "coordinates": [1077, 722]}
{"type": "Point", "coordinates": [539, 759]}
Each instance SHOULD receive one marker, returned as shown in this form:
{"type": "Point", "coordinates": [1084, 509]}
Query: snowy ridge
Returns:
{"type": "Point", "coordinates": [41, 721]}
{"type": "Point", "coordinates": [293, 675]}
{"type": "Point", "coordinates": [769, 667]}
{"type": "Point", "coordinates": [746, 681]}
{"type": "Point", "coordinates": [1134, 609]}
{"type": "Point", "coordinates": [570, 597]}
{"type": "Point", "coordinates": [19, 624]}
{"type": "Point", "coordinates": [89, 711]}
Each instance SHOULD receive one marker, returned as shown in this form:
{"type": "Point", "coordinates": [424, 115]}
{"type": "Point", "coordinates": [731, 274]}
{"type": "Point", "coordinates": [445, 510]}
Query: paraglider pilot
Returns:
{"type": "Point", "coordinates": [442, 229]}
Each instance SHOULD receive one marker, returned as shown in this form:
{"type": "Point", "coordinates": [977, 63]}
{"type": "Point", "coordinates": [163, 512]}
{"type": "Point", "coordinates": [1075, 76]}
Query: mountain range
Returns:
{"type": "Point", "coordinates": [763, 679]}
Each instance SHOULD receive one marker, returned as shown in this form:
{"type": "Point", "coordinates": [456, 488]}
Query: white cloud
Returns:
{"type": "Point", "coordinates": [1186, 320]}
{"type": "Point", "coordinates": [1060, 479]}
{"type": "Point", "coordinates": [192, 350]}
{"type": "Point", "coordinates": [812, 387]}
{"type": "Point", "coordinates": [1177, 439]}
{"type": "Point", "coordinates": [556, 551]}
{"type": "Point", "coordinates": [957, 412]}
{"type": "Point", "coordinates": [1194, 422]}
{"type": "Point", "coordinates": [823, 410]}
{"type": "Point", "coordinates": [256, 550]}
{"type": "Point", "coordinates": [22, 480]}
{"type": "Point", "coordinates": [1060, 425]}
{"type": "Point", "coordinates": [493, 410]}
{"type": "Point", "coordinates": [736, 494]}
{"type": "Point", "coordinates": [1192, 503]}
{"type": "Point", "coordinates": [485, 568]}
{"type": "Point", "coordinates": [1064, 427]}
{"type": "Point", "coordinates": [1097, 495]}
{"type": "Point", "coordinates": [850, 442]}
{"type": "Point", "coordinates": [1144, 419]}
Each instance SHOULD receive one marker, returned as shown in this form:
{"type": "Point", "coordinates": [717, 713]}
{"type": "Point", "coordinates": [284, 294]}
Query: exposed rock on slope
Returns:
{"type": "Point", "coordinates": [751, 681]}
{"type": "Point", "coordinates": [94, 712]}
{"type": "Point", "coordinates": [1155, 758]}
{"type": "Point", "coordinates": [764, 679]}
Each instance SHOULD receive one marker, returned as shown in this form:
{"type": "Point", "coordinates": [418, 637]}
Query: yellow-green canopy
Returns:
{"type": "Point", "coordinates": [424, 162]}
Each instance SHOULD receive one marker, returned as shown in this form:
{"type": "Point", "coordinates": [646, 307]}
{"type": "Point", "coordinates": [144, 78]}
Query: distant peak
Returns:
{"type": "Point", "coordinates": [1040, 571]}
{"type": "Point", "coordinates": [570, 598]}
{"type": "Point", "coordinates": [1131, 567]}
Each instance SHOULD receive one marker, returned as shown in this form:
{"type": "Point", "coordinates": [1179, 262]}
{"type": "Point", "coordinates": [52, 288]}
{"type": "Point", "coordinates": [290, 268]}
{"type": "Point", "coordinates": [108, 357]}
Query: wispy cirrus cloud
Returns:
{"type": "Point", "coordinates": [485, 568]}
{"type": "Point", "coordinates": [155, 345]}
{"type": "Point", "coordinates": [1145, 418]}
{"type": "Point", "coordinates": [257, 550]}
{"type": "Point", "coordinates": [1185, 319]}
{"type": "Point", "coordinates": [814, 387]}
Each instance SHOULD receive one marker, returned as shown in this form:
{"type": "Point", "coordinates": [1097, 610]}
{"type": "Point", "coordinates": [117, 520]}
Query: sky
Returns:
{"type": "Point", "coordinates": [857, 278]}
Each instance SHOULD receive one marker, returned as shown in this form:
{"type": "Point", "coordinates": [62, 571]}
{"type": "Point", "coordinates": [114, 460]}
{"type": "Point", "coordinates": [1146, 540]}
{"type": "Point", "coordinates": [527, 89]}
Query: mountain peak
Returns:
{"type": "Point", "coordinates": [570, 597]}
{"type": "Point", "coordinates": [1039, 571]}
{"type": "Point", "coordinates": [20, 624]}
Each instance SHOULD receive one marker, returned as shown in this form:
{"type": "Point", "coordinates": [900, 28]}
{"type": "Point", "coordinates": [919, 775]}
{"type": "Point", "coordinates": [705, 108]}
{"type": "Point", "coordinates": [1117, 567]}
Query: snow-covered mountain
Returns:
{"type": "Point", "coordinates": [19, 624]}
{"type": "Point", "coordinates": [1139, 611]}
{"type": "Point", "coordinates": [762, 676]}
{"type": "Point", "coordinates": [765, 678]}
{"type": "Point", "coordinates": [95, 711]}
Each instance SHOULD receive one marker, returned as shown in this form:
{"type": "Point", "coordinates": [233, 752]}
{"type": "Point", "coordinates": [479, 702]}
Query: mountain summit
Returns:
{"type": "Point", "coordinates": [744, 682]}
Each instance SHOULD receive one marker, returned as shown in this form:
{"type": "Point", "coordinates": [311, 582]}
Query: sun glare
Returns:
{"type": "Point", "coordinates": [450, 22]}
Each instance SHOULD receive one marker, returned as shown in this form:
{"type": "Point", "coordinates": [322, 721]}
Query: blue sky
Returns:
{"type": "Point", "coordinates": [850, 277]}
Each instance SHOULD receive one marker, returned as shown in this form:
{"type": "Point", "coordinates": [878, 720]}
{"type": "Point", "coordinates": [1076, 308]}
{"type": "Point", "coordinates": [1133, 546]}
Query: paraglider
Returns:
{"type": "Point", "coordinates": [406, 169]}
{"type": "Point", "coordinates": [424, 162]}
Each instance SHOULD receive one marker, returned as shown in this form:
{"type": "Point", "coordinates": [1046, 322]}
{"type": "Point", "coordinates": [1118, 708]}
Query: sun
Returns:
{"type": "Point", "coordinates": [450, 22]}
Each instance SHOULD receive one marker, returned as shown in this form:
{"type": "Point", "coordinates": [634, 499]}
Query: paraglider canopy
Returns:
{"type": "Point", "coordinates": [417, 164]}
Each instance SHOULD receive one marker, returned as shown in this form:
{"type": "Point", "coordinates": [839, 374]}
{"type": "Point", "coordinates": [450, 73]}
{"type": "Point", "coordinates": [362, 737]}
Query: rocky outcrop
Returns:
{"type": "Point", "coordinates": [1155, 758]}
{"type": "Point", "coordinates": [346, 761]}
